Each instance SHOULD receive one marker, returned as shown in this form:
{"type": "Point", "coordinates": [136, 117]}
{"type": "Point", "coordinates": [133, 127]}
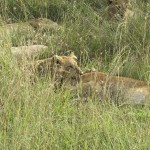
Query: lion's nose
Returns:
{"type": "Point", "coordinates": [81, 72]}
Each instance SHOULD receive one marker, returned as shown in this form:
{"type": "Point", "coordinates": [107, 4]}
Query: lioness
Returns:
{"type": "Point", "coordinates": [44, 24]}
{"type": "Point", "coordinates": [121, 90]}
{"type": "Point", "coordinates": [55, 66]}
{"type": "Point", "coordinates": [29, 26]}
{"type": "Point", "coordinates": [27, 52]}
{"type": "Point", "coordinates": [117, 8]}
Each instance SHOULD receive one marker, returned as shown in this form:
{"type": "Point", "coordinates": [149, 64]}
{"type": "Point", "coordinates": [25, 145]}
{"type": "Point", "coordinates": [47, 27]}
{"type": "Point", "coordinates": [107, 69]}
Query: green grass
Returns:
{"type": "Point", "coordinates": [35, 117]}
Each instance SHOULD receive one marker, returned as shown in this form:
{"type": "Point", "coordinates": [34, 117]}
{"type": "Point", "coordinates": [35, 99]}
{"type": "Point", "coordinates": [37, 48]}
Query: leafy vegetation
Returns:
{"type": "Point", "coordinates": [34, 116]}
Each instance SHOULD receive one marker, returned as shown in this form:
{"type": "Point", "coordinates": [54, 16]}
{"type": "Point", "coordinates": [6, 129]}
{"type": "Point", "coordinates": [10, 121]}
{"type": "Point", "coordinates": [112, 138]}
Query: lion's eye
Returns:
{"type": "Point", "coordinates": [58, 62]}
{"type": "Point", "coordinates": [70, 67]}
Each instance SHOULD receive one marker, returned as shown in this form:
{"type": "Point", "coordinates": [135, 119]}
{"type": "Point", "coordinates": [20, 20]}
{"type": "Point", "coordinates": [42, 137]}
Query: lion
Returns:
{"type": "Point", "coordinates": [27, 52]}
{"type": "Point", "coordinates": [103, 86]}
{"type": "Point", "coordinates": [44, 24]}
{"type": "Point", "coordinates": [54, 67]}
{"type": "Point", "coordinates": [10, 29]}
{"type": "Point", "coordinates": [118, 9]}
{"type": "Point", "coordinates": [29, 26]}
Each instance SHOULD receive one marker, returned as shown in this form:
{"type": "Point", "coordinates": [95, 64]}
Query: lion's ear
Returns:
{"type": "Point", "coordinates": [55, 57]}
{"type": "Point", "coordinates": [73, 55]}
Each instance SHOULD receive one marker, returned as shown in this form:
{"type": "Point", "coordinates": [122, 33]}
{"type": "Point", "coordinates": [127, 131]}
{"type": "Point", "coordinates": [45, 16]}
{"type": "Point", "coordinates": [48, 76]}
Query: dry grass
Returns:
{"type": "Point", "coordinates": [35, 117]}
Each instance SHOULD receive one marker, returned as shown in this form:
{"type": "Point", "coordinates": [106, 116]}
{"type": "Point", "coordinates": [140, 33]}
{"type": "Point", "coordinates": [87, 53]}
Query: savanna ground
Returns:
{"type": "Point", "coordinates": [35, 117]}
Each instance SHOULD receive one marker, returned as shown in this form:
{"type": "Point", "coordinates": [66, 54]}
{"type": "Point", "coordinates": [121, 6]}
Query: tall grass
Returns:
{"type": "Point", "coordinates": [36, 117]}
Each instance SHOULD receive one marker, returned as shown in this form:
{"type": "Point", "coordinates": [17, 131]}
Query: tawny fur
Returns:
{"type": "Point", "coordinates": [27, 52]}
{"type": "Point", "coordinates": [119, 89]}
{"type": "Point", "coordinates": [43, 23]}
{"type": "Point", "coordinates": [54, 66]}
{"type": "Point", "coordinates": [118, 9]}
{"type": "Point", "coordinates": [28, 27]}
